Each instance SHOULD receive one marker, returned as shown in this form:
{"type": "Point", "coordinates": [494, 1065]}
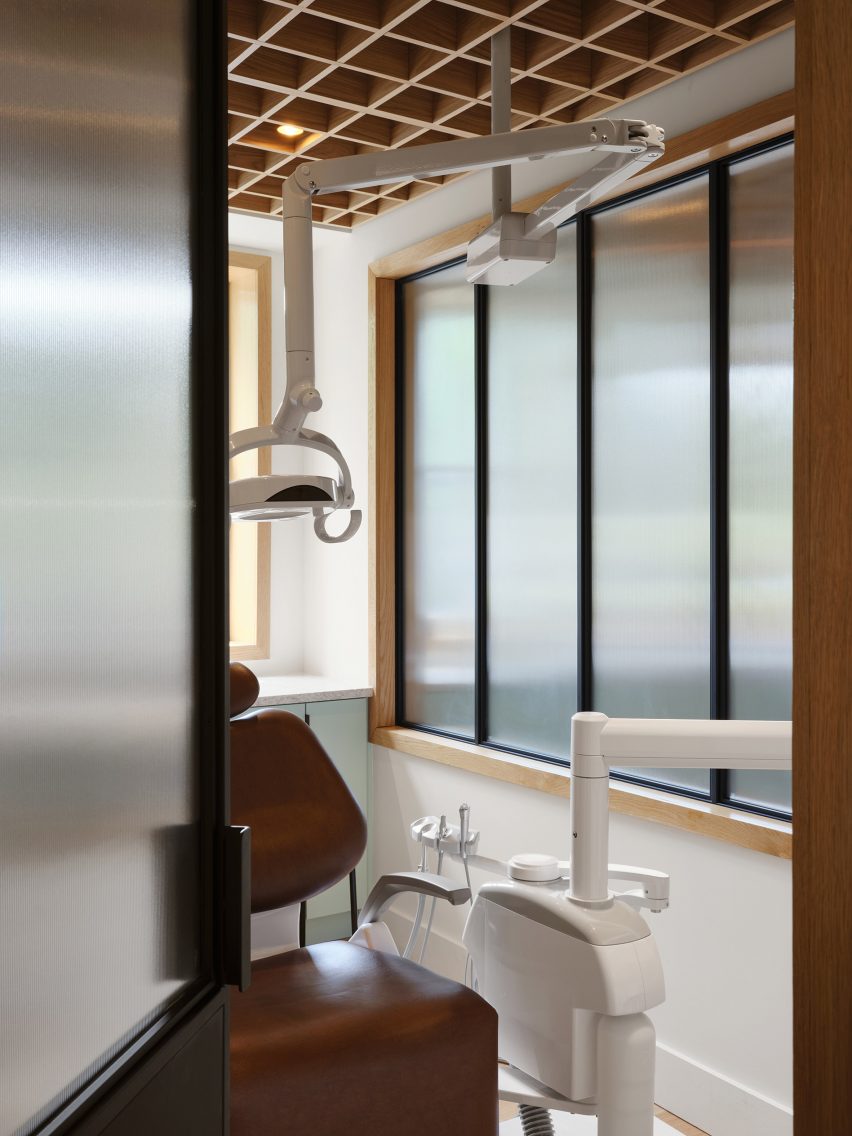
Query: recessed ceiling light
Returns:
{"type": "Point", "coordinates": [290, 131]}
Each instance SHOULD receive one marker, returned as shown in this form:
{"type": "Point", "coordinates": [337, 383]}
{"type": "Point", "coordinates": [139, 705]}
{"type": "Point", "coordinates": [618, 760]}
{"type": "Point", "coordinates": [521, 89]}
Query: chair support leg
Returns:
{"type": "Point", "coordinates": [353, 901]}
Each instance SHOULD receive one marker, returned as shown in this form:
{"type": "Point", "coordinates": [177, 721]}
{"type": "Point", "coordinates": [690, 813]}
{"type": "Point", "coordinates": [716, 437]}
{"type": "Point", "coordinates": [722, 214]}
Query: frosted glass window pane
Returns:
{"type": "Point", "coordinates": [532, 512]}
{"type": "Point", "coordinates": [761, 452]}
{"type": "Point", "coordinates": [440, 498]}
{"type": "Point", "coordinates": [651, 461]}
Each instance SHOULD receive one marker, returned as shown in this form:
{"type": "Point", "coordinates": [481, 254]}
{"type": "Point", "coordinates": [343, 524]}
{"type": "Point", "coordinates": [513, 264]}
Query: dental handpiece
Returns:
{"type": "Point", "coordinates": [464, 829]}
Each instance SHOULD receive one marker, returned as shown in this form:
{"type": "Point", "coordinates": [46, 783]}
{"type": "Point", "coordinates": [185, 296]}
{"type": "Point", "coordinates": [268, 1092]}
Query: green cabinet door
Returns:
{"type": "Point", "coordinates": [341, 727]}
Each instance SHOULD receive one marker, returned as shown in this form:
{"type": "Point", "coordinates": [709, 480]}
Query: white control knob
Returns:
{"type": "Point", "coordinates": [311, 399]}
{"type": "Point", "coordinates": [534, 868]}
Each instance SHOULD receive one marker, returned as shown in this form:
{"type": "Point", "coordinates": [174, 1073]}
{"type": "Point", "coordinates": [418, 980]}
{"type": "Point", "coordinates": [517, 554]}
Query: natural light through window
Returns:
{"type": "Point", "coordinates": [249, 393]}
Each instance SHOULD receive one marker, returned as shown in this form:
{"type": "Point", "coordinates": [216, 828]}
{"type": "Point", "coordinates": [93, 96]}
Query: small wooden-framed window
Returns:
{"type": "Point", "coordinates": [250, 381]}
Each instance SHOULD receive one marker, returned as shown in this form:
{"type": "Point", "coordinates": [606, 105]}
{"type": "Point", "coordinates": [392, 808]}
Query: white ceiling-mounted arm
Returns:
{"type": "Point", "coordinates": [301, 397]}
{"type": "Point", "coordinates": [670, 743]}
{"type": "Point", "coordinates": [601, 179]}
{"type": "Point", "coordinates": [517, 245]}
{"type": "Point", "coordinates": [460, 155]}
{"type": "Point", "coordinates": [501, 117]}
{"type": "Point", "coordinates": [635, 142]}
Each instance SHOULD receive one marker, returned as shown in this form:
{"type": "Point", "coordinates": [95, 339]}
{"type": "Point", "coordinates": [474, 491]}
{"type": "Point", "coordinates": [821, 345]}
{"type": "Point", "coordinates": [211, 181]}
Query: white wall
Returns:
{"type": "Point", "coordinates": [336, 576]}
{"type": "Point", "coordinates": [318, 617]}
{"type": "Point", "coordinates": [297, 623]}
{"type": "Point", "coordinates": [286, 630]}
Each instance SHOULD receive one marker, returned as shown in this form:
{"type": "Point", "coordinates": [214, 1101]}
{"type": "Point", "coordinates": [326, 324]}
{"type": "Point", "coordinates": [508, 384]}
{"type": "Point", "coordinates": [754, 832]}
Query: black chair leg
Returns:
{"type": "Point", "coordinates": [353, 901]}
{"type": "Point", "coordinates": [303, 919]}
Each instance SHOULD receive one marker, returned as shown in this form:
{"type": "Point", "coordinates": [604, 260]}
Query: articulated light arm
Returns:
{"type": "Point", "coordinates": [597, 741]}
{"type": "Point", "coordinates": [628, 144]}
{"type": "Point", "coordinates": [589, 187]}
{"type": "Point", "coordinates": [625, 145]}
{"type": "Point", "coordinates": [464, 154]}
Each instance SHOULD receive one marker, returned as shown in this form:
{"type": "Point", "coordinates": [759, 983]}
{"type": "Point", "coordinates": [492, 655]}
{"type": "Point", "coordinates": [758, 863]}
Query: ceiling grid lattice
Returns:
{"type": "Point", "coordinates": [363, 75]}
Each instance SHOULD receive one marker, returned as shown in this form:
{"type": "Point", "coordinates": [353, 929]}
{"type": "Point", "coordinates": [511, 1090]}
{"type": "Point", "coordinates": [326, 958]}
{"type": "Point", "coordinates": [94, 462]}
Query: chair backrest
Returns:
{"type": "Point", "coordinates": [307, 831]}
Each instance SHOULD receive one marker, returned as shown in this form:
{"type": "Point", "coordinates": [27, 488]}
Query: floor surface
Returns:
{"type": "Point", "coordinates": [565, 1124]}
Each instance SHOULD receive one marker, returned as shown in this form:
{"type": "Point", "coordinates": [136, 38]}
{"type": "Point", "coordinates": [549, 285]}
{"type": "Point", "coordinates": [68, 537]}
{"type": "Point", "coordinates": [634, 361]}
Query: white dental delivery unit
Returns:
{"type": "Point", "coordinates": [564, 957]}
{"type": "Point", "coordinates": [552, 969]}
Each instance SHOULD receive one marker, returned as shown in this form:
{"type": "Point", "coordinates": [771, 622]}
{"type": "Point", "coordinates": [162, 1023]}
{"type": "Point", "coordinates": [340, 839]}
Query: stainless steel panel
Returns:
{"type": "Point", "coordinates": [98, 845]}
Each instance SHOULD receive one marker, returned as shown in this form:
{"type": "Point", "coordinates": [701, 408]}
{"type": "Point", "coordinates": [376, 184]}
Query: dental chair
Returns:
{"type": "Point", "coordinates": [336, 1039]}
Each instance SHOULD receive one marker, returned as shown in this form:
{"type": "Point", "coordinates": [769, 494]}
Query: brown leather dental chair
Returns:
{"type": "Point", "coordinates": [336, 1039]}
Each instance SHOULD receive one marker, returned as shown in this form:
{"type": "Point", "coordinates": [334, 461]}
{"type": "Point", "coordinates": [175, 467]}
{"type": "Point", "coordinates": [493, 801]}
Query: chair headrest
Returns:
{"type": "Point", "coordinates": [244, 688]}
{"type": "Point", "coordinates": [307, 831]}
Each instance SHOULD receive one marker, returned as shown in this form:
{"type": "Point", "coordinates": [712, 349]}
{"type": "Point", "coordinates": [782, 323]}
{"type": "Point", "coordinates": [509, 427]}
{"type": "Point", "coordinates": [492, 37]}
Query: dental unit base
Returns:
{"type": "Point", "coordinates": [562, 953]}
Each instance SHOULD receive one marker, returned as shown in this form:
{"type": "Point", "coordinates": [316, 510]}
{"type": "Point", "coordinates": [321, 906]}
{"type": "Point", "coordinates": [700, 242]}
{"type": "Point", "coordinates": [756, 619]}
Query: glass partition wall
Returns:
{"type": "Point", "coordinates": [531, 506]}
{"type": "Point", "coordinates": [595, 477]}
{"type": "Point", "coordinates": [650, 460]}
{"type": "Point", "coordinates": [440, 502]}
{"type": "Point", "coordinates": [760, 196]}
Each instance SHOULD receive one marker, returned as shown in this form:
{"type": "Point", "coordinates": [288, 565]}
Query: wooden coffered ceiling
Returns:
{"type": "Point", "coordinates": [361, 75]}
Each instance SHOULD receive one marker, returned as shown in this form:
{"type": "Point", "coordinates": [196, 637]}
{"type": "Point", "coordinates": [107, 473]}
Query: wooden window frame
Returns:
{"type": "Point", "coordinates": [763, 122]}
{"type": "Point", "coordinates": [262, 265]}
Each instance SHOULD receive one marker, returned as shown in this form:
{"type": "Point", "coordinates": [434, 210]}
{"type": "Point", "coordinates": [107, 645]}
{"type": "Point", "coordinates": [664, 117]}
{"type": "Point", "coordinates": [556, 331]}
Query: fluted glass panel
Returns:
{"type": "Point", "coordinates": [761, 453]}
{"type": "Point", "coordinates": [651, 461]}
{"type": "Point", "coordinates": [440, 519]}
{"type": "Point", "coordinates": [532, 507]}
{"type": "Point", "coordinates": [98, 795]}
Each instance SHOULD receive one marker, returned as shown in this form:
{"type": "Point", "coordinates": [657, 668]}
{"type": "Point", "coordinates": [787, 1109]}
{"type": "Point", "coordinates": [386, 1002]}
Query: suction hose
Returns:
{"type": "Point", "coordinates": [535, 1121]}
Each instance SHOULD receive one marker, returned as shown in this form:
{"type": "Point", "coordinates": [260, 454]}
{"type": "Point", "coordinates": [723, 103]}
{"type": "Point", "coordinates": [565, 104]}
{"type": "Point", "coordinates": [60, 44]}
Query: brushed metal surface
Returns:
{"type": "Point", "coordinates": [98, 794]}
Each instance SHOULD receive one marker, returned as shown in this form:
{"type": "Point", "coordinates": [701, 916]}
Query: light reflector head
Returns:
{"type": "Point", "coordinates": [275, 496]}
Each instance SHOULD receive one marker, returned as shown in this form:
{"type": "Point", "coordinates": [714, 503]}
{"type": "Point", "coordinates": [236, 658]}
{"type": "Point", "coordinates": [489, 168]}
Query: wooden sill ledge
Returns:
{"type": "Point", "coordinates": [733, 826]}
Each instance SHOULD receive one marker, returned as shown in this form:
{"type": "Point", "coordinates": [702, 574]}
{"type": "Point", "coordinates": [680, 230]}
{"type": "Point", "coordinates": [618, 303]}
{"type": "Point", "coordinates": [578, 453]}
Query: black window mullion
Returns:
{"type": "Point", "coordinates": [720, 669]}
{"type": "Point", "coordinates": [399, 499]}
{"type": "Point", "coordinates": [585, 691]}
{"type": "Point", "coordinates": [481, 497]}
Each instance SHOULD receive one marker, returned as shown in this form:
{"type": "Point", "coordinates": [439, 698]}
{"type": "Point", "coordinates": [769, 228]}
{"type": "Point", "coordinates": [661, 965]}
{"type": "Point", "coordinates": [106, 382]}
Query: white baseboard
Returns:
{"type": "Point", "coordinates": [715, 1103]}
{"type": "Point", "coordinates": [703, 1097]}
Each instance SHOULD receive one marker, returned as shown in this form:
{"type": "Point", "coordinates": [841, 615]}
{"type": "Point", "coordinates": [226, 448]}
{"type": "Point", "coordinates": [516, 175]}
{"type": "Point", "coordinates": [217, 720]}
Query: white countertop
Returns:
{"type": "Point", "coordinates": [284, 690]}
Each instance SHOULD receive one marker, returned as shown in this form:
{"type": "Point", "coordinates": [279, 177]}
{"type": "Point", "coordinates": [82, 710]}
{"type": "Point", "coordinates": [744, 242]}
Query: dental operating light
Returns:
{"type": "Point", "coordinates": [513, 247]}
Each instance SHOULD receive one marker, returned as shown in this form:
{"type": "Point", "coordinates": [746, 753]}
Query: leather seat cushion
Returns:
{"type": "Point", "coordinates": [338, 1040]}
